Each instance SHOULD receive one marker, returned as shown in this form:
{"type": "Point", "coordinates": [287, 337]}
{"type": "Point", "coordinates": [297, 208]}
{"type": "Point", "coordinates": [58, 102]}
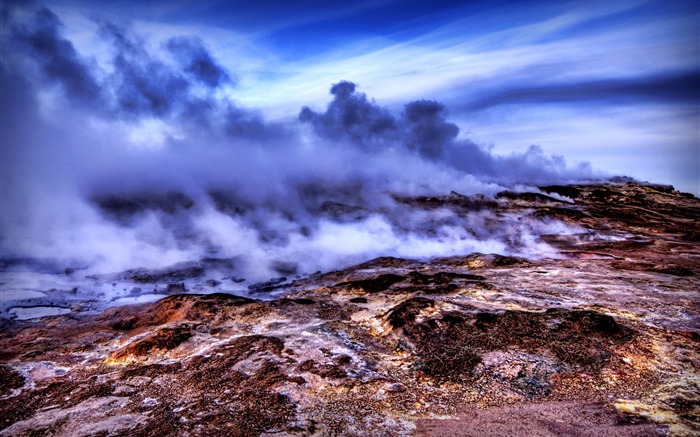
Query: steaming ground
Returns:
{"type": "Point", "coordinates": [143, 247]}
{"type": "Point", "coordinates": [139, 158]}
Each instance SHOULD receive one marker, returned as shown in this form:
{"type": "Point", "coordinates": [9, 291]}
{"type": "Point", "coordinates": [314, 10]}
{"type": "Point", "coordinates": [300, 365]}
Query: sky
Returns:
{"type": "Point", "coordinates": [261, 113]}
{"type": "Point", "coordinates": [614, 83]}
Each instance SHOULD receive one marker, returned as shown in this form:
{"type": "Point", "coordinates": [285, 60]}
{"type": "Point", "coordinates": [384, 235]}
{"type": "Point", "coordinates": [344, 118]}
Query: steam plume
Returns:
{"type": "Point", "coordinates": [145, 161]}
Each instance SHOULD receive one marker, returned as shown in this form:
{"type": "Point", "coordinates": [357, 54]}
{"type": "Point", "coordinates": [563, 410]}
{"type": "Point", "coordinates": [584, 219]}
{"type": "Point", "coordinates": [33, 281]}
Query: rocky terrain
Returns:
{"type": "Point", "coordinates": [602, 338]}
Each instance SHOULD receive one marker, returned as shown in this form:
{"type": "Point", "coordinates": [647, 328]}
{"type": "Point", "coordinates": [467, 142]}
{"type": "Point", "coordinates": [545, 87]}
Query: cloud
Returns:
{"type": "Point", "coordinates": [158, 166]}
{"type": "Point", "coordinates": [675, 87]}
{"type": "Point", "coordinates": [142, 85]}
{"type": "Point", "coordinates": [427, 130]}
{"type": "Point", "coordinates": [351, 117]}
{"type": "Point", "coordinates": [423, 129]}
{"type": "Point", "coordinates": [197, 61]}
{"type": "Point", "coordinates": [573, 78]}
{"type": "Point", "coordinates": [36, 35]}
{"type": "Point", "coordinates": [136, 82]}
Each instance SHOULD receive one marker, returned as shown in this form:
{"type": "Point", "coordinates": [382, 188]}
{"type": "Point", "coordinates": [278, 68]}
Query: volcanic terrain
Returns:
{"type": "Point", "coordinates": [601, 338]}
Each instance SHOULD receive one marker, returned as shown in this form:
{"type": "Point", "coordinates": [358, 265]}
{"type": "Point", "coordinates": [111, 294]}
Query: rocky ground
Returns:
{"type": "Point", "coordinates": [602, 339]}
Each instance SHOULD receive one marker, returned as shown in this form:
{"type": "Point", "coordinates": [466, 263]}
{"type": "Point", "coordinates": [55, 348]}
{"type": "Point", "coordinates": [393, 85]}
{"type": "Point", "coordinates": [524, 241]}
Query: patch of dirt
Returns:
{"type": "Point", "coordinates": [448, 345]}
{"type": "Point", "coordinates": [549, 419]}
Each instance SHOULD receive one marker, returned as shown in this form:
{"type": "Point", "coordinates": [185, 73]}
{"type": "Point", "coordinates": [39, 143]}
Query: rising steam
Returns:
{"type": "Point", "coordinates": [145, 160]}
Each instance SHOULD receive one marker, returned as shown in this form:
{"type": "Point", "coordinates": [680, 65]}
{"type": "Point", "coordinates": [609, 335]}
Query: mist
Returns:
{"type": "Point", "coordinates": [143, 159]}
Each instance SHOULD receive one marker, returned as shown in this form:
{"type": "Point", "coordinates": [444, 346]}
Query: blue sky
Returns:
{"type": "Point", "coordinates": [615, 83]}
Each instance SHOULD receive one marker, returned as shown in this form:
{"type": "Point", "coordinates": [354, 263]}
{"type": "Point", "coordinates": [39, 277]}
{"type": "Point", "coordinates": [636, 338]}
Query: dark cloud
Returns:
{"type": "Point", "coordinates": [248, 124]}
{"type": "Point", "coordinates": [198, 62]}
{"type": "Point", "coordinates": [33, 32]}
{"type": "Point", "coordinates": [143, 85]}
{"type": "Point", "coordinates": [137, 83]}
{"type": "Point", "coordinates": [423, 129]}
{"type": "Point", "coordinates": [678, 87]}
{"type": "Point", "coordinates": [350, 116]}
{"type": "Point", "coordinates": [427, 130]}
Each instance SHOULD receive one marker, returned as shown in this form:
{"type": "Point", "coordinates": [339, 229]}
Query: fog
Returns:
{"type": "Point", "coordinates": [145, 160]}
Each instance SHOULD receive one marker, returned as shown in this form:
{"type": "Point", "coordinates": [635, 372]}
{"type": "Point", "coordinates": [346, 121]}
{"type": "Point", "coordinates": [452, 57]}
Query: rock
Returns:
{"type": "Point", "coordinates": [272, 284]}
{"type": "Point", "coordinates": [373, 285]}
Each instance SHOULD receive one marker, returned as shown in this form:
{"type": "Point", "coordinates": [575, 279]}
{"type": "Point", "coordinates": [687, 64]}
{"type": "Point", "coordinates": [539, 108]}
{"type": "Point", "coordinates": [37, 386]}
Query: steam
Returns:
{"type": "Point", "coordinates": [146, 161]}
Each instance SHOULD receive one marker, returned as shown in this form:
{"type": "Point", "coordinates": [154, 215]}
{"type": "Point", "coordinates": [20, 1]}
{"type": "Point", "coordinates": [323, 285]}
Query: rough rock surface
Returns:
{"type": "Point", "coordinates": [602, 339]}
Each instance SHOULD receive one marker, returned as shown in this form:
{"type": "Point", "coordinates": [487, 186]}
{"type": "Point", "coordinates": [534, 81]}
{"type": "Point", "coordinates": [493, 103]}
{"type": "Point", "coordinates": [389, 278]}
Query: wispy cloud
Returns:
{"type": "Point", "coordinates": [443, 63]}
{"type": "Point", "coordinates": [681, 87]}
